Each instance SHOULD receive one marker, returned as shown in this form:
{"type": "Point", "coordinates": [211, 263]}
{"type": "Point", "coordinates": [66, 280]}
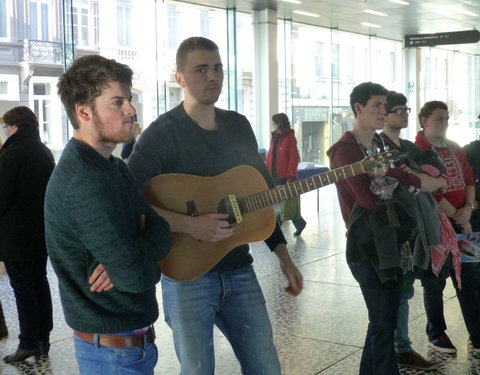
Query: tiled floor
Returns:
{"type": "Point", "coordinates": [319, 332]}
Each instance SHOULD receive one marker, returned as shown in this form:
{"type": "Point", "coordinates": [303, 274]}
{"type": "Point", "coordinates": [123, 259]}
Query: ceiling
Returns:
{"type": "Point", "coordinates": [416, 17]}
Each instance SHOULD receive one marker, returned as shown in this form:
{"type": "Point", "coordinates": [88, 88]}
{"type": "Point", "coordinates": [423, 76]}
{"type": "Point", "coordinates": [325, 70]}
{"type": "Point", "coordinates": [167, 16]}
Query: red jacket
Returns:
{"type": "Point", "coordinates": [459, 173]}
{"type": "Point", "coordinates": [287, 155]}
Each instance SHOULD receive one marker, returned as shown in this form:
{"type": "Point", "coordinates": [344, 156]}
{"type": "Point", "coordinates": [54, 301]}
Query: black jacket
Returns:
{"type": "Point", "coordinates": [25, 168]}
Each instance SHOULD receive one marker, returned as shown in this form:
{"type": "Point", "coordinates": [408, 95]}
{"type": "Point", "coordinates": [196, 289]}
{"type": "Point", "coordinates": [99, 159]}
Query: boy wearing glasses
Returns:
{"type": "Point", "coordinates": [396, 119]}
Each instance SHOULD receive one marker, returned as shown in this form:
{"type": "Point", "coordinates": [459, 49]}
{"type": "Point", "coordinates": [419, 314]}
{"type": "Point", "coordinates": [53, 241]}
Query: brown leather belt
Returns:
{"type": "Point", "coordinates": [118, 341]}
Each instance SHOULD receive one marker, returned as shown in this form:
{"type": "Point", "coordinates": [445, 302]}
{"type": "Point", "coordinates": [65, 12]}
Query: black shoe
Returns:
{"type": "Point", "coordinates": [44, 347]}
{"type": "Point", "coordinates": [414, 360]}
{"type": "Point", "coordinates": [21, 355]}
{"type": "Point", "coordinates": [299, 231]}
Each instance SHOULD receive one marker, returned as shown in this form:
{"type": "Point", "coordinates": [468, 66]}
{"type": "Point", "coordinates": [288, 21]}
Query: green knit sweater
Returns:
{"type": "Point", "coordinates": [92, 215]}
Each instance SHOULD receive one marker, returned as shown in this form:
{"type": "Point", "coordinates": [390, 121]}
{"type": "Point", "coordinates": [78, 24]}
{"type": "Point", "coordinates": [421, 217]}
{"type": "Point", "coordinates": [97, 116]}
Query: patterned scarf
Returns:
{"type": "Point", "coordinates": [448, 239]}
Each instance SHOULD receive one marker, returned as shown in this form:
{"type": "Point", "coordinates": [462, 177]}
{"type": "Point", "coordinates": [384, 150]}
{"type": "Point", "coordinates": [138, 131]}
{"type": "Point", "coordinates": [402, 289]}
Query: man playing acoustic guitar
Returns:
{"type": "Point", "coordinates": [199, 139]}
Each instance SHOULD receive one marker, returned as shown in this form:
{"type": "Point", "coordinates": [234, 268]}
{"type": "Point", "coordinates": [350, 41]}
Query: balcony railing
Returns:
{"type": "Point", "coordinates": [39, 51]}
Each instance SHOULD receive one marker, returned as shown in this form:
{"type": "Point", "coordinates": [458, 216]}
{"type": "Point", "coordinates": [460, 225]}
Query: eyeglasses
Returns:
{"type": "Point", "coordinates": [400, 111]}
{"type": "Point", "coordinates": [4, 127]}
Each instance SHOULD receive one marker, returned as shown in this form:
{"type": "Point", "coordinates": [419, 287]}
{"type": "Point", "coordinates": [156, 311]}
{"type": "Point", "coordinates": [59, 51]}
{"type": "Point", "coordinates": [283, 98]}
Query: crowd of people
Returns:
{"type": "Point", "coordinates": [107, 243]}
{"type": "Point", "coordinates": [402, 224]}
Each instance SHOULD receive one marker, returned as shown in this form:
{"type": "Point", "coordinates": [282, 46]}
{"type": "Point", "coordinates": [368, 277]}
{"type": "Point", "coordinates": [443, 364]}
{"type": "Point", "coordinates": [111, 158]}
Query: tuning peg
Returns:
{"type": "Point", "coordinates": [387, 148]}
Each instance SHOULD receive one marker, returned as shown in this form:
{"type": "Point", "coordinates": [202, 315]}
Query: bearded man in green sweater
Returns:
{"type": "Point", "coordinates": [104, 240]}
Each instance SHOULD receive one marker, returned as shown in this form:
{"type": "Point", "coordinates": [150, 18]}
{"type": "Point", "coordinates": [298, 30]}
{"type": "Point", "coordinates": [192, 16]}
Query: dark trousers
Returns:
{"type": "Point", "coordinates": [382, 300]}
{"type": "Point", "coordinates": [468, 298]}
{"type": "Point", "coordinates": [34, 302]}
{"type": "Point", "coordinates": [433, 287]}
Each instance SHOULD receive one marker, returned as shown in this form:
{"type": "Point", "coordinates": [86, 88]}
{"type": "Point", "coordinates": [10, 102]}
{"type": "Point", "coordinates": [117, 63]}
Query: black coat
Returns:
{"type": "Point", "coordinates": [25, 168]}
{"type": "Point", "coordinates": [473, 154]}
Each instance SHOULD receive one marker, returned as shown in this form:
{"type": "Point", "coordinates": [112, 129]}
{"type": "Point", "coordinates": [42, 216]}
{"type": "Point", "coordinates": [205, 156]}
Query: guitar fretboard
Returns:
{"type": "Point", "coordinates": [270, 197]}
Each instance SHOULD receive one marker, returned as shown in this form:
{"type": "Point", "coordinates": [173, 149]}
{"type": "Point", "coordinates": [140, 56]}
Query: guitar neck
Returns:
{"type": "Point", "coordinates": [270, 197]}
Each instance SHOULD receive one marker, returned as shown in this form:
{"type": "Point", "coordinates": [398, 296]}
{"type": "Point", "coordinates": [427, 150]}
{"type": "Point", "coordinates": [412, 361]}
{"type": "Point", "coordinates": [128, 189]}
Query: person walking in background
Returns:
{"type": "Point", "coordinates": [25, 168]}
{"type": "Point", "coordinates": [104, 240]}
{"type": "Point", "coordinates": [200, 139]}
{"type": "Point", "coordinates": [457, 202]}
{"type": "Point", "coordinates": [282, 158]}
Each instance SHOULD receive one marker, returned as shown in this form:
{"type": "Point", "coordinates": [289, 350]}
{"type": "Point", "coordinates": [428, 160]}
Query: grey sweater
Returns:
{"type": "Point", "coordinates": [92, 215]}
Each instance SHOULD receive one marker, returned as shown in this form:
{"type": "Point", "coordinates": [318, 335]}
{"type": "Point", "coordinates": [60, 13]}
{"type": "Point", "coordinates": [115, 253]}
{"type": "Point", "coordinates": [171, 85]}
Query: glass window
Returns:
{"type": "Point", "coordinates": [245, 63]}
{"type": "Point", "coordinates": [39, 14]}
{"type": "Point", "coordinates": [3, 19]}
{"type": "Point", "coordinates": [124, 19]}
{"type": "Point", "coordinates": [317, 67]}
{"type": "Point", "coordinates": [185, 21]}
{"type": "Point", "coordinates": [96, 23]}
{"type": "Point", "coordinates": [442, 79]}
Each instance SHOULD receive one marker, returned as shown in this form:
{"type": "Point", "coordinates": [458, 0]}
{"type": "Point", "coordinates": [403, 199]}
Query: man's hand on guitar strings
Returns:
{"type": "Point", "coordinates": [211, 227]}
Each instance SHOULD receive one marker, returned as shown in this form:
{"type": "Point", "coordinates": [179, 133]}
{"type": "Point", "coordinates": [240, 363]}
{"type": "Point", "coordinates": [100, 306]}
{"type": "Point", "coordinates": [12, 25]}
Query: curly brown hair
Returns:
{"type": "Point", "coordinates": [85, 80]}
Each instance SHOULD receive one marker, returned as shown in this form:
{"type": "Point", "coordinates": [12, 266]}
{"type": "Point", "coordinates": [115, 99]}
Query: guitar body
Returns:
{"type": "Point", "coordinates": [190, 258]}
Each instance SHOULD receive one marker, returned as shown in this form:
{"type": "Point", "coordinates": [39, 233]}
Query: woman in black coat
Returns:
{"type": "Point", "coordinates": [25, 168]}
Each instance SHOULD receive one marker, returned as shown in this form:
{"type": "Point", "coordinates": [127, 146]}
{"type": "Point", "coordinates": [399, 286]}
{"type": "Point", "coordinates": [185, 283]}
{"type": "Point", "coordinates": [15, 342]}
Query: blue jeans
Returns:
{"type": "Point", "coordinates": [402, 341]}
{"type": "Point", "coordinates": [231, 300]}
{"type": "Point", "coordinates": [102, 360]}
{"type": "Point", "coordinates": [382, 300]}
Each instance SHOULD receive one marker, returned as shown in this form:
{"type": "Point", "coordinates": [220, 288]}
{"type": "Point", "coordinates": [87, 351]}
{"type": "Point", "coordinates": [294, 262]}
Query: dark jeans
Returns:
{"type": "Point", "coordinates": [382, 300]}
{"type": "Point", "coordinates": [433, 287]}
{"type": "Point", "coordinates": [469, 299]}
{"type": "Point", "coordinates": [34, 302]}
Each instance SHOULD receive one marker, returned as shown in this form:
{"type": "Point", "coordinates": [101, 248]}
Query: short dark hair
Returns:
{"type": "Point", "coordinates": [192, 44]}
{"type": "Point", "coordinates": [393, 99]}
{"type": "Point", "coordinates": [85, 80]}
{"type": "Point", "coordinates": [364, 92]}
{"type": "Point", "coordinates": [22, 117]}
{"type": "Point", "coordinates": [281, 119]}
{"type": "Point", "coordinates": [428, 109]}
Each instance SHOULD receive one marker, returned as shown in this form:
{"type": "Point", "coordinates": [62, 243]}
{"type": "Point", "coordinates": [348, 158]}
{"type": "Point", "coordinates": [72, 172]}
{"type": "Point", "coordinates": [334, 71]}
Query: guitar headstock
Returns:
{"type": "Point", "coordinates": [373, 162]}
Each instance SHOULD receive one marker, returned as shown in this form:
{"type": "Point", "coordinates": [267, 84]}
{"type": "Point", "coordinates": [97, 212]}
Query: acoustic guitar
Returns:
{"type": "Point", "coordinates": [242, 193]}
